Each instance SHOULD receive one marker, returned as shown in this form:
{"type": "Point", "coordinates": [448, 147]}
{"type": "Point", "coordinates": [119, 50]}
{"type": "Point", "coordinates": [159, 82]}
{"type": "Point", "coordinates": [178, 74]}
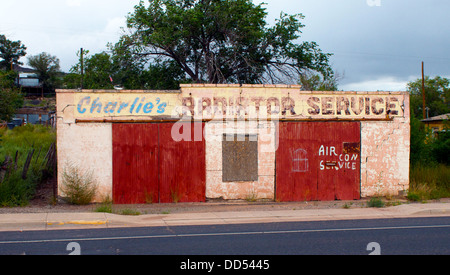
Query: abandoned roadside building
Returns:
{"type": "Point", "coordinates": [208, 141]}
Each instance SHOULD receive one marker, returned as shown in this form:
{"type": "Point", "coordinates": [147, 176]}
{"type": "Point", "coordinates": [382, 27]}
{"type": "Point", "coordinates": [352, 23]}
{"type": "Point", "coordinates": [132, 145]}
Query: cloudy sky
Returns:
{"type": "Point", "coordinates": [377, 44]}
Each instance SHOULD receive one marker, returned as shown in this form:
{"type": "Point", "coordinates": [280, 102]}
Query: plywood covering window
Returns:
{"type": "Point", "coordinates": [239, 158]}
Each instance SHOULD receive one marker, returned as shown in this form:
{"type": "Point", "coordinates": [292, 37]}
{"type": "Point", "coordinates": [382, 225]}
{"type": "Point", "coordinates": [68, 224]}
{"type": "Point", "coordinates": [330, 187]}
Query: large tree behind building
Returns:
{"type": "Point", "coordinates": [221, 41]}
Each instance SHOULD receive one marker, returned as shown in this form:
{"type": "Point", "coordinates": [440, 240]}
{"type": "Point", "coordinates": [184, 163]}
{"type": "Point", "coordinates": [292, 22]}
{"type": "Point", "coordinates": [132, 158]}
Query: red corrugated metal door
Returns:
{"type": "Point", "coordinates": [318, 161]}
{"type": "Point", "coordinates": [182, 165]}
{"type": "Point", "coordinates": [135, 163]}
{"type": "Point", "coordinates": [150, 167]}
{"type": "Point", "coordinates": [296, 162]}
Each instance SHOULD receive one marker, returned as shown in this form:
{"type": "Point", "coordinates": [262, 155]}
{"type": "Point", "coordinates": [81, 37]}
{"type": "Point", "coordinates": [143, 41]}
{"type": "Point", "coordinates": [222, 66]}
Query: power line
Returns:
{"type": "Point", "coordinates": [42, 29]}
{"type": "Point", "coordinates": [390, 55]}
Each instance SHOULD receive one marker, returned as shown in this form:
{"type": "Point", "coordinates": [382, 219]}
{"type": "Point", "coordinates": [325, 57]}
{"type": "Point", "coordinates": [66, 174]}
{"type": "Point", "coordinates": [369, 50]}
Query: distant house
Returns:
{"type": "Point", "coordinates": [29, 81]}
{"type": "Point", "coordinates": [436, 123]}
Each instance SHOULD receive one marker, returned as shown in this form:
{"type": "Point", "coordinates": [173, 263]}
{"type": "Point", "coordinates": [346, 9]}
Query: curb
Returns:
{"type": "Point", "coordinates": [78, 223]}
{"type": "Point", "coordinates": [433, 212]}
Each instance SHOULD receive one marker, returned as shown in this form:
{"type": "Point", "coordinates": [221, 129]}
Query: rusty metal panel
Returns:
{"type": "Point", "coordinates": [182, 165]}
{"type": "Point", "coordinates": [239, 158]}
{"type": "Point", "coordinates": [352, 147]}
{"type": "Point", "coordinates": [135, 158]}
{"type": "Point", "coordinates": [150, 167]}
{"type": "Point", "coordinates": [339, 145]}
{"type": "Point", "coordinates": [318, 161]}
{"type": "Point", "coordinates": [296, 163]}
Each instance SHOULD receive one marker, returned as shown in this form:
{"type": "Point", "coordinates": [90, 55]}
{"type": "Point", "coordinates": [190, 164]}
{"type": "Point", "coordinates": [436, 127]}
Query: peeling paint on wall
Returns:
{"type": "Point", "coordinates": [385, 157]}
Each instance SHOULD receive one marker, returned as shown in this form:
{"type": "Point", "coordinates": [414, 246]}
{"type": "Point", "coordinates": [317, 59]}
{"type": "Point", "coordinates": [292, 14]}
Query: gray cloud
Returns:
{"type": "Point", "coordinates": [383, 43]}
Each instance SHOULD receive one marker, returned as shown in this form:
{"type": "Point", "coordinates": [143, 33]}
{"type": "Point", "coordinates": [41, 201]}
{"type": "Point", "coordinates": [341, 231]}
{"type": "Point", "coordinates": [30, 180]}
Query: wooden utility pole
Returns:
{"type": "Point", "coordinates": [423, 93]}
{"type": "Point", "coordinates": [82, 67]}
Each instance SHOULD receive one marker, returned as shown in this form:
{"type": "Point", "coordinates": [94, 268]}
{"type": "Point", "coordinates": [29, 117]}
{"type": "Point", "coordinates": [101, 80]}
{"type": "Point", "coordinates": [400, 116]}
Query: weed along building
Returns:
{"type": "Point", "coordinates": [206, 141]}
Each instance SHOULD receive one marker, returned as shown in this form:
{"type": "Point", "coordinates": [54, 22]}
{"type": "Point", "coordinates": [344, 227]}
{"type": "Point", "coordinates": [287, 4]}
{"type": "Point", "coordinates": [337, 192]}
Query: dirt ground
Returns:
{"type": "Point", "coordinates": [42, 203]}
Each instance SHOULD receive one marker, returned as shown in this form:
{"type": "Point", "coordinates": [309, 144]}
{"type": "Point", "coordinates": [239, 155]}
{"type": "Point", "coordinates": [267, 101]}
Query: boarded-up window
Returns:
{"type": "Point", "coordinates": [239, 158]}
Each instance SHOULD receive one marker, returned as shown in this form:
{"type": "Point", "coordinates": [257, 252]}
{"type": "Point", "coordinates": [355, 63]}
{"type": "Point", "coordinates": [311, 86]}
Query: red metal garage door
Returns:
{"type": "Point", "coordinates": [318, 161]}
{"type": "Point", "coordinates": [150, 167]}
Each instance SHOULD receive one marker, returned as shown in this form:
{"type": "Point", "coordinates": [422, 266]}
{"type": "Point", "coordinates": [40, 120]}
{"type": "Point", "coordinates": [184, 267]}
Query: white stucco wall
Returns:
{"type": "Point", "coordinates": [87, 146]}
{"type": "Point", "coordinates": [385, 157]}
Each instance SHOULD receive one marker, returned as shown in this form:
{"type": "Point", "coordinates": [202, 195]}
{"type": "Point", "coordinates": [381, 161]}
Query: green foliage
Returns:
{"type": "Point", "coordinates": [108, 208]}
{"type": "Point", "coordinates": [129, 212]}
{"type": "Point", "coordinates": [10, 98]}
{"type": "Point", "coordinates": [420, 150]}
{"type": "Point", "coordinates": [220, 41]}
{"type": "Point", "coordinates": [437, 94]}
{"type": "Point", "coordinates": [98, 69]}
{"type": "Point", "coordinates": [375, 202]}
{"type": "Point", "coordinates": [430, 154]}
{"type": "Point", "coordinates": [78, 186]}
{"type": "Point", "coordinates": [10, 53]}
{"type": "Point", "coordinates": [104, 208]}
{"type": "Point", "coordinates": [413, 196]}
{"type": "Point", "coordinates": [430, 163]}
{"type": "Point", "coordinates": [14, 190]}
{"type": "Point", "coordinates": [429, 182]}
{"type": "Point", "coordinates": [48, 69]}
{"type": "Point", "coordinates": [311, 81]}
{"type": "Point", "coordinates": [426, 148]}
{"type": "Point", "coordinates": [440, 147]}
{"type": "Point", "coordinates": [24, 138]}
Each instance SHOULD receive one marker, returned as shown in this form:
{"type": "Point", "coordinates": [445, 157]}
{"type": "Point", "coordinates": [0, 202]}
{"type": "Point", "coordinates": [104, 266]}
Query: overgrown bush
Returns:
{"type": "Point", "coordinates": [375, 202]}
{"type": "Point", "coordinates": [78, 186]}
{"type": "Point", "coordinates": [440, 147]}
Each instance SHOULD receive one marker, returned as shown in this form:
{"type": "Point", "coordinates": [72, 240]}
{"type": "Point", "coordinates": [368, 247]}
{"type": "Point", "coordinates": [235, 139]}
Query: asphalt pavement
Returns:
{"type": "Point", "coordinates": [91, 220]}
{"type": "Point", "coordinates": [236, 242]}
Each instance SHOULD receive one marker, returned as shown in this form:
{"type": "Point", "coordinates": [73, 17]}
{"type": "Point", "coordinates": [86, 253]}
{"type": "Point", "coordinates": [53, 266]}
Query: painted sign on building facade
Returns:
{"type": "Point", "coordinates": [295, 106]}
{"type": "Point", "coordinates": [97, 105]}
{"type": "Point", "coordinates": [215, 103]}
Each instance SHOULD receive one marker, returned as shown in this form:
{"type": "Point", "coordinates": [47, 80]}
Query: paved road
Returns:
{"type": "Point", "coordinates": [385, 236]}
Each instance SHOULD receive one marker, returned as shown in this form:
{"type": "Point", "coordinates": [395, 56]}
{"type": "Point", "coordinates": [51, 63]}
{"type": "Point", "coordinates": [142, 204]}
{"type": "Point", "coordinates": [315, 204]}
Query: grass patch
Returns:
{"type": "Point", "coordinates": [129, 212]}
{"type": "Point", "coordinates": [429, 182]}
{"type": "Point", "coordinates": [347, 205]}
{"type": "Point", "coordinates": [104, 208]}
{"type": "Point", "coordinates": [108, 208]}
{"type": "Point", "coordinates": [17, 188]}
